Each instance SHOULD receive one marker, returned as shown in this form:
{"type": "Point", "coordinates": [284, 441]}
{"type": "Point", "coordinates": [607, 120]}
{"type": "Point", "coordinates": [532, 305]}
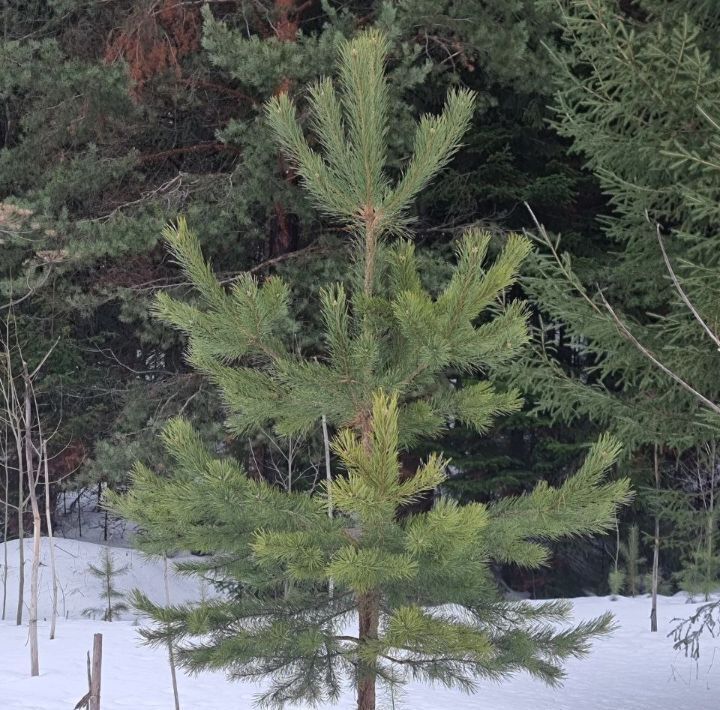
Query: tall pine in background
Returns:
{"type": "Point", "coordinates": [363, 593]}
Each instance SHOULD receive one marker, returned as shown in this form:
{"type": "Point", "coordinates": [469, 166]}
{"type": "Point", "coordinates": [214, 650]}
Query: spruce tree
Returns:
{"type": "Point", "coordinates": [365, 594]}
{"type": "Point", "coordinates": [107, 573]}
{"type": "Point", "coordinates": [638, 94]}
{"type": "Point", "coordinates": [630, 552]}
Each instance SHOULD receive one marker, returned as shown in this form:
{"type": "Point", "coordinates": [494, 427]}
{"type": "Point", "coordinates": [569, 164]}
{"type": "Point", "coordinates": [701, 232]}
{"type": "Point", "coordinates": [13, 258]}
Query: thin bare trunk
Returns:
{"type": "Point", "coordinates": [5, 559]}
{"type": "Point", "coordinates": [6, 515]}
{"type": "Point", "coordinates": [709, 571]}
{"type": "Point", "coordinates": [656, 550]}
{"type": "Point", "coordinates": [13, 411]}
{"type": "Point", "coordinates": [23, 418]}
{"type": "Point", "coordinates": [655, 575]}
{"type": "Point", "coordinates": [21, 539]}
{"type": "Point", "coordinates": [35, 570]}
{"type": "Point", "coordinates": [171, 653]}
{"type": "Point", "coordinates": [51, 542]}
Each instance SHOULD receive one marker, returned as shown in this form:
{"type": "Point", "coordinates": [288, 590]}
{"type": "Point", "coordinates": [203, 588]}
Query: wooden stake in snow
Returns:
{"type": "Point", "coordinates": [96, 674]}
{"type": "Point", "coordinates": [91, 699]}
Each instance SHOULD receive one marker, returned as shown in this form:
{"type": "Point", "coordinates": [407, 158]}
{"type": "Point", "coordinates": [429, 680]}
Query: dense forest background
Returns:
{"type": "Point", "coordinates": [596, 119]}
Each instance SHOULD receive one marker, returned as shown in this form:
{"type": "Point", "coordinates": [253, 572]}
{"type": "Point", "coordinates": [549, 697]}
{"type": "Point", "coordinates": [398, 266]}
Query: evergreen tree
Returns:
{"type": "Point", "coordinates": [107, 573]}
{"type": "Point", "coordinates": [301, 577]}
{"type": "Point", "coordinates": [616, 582]}
{"type": "Point", "coordinates": [638, 96]}
{"type": "Point", "coordinates": [662, 103]}
{"type": "Point", "coordinates": [630, 552]}
{"type": "Point", "coordinates": [119, 116]}
{"type": "Point", "coordinates": [627, 576]}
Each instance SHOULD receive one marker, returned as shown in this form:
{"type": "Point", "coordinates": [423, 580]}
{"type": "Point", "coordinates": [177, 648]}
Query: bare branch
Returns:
{"type": "Point", "coordinates": [650, 356]}
{"type": "Point", "coordinates": [31, 291]}
{"type": "Point", "coordinates": [682, 293]}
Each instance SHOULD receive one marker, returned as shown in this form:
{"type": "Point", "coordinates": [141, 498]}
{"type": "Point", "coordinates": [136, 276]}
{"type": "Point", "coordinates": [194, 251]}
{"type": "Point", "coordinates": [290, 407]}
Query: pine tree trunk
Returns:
{"type": "Point", "coordinates": [369, 620]}
{"type": "Point", "coordinates": [286, 25]}
{"type": "Point", "coordinates": [368, 604]}
{"type": "Point", "coordinates": [370, 249]}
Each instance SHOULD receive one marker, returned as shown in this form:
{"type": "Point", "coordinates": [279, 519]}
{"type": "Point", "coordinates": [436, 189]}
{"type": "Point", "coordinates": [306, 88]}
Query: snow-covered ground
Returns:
{"type": "Point", "coordinates": [632, 670]}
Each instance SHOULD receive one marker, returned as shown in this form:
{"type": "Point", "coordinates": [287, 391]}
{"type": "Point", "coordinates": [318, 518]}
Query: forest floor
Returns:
{"type": "Point", "coordinates": [630, 670]}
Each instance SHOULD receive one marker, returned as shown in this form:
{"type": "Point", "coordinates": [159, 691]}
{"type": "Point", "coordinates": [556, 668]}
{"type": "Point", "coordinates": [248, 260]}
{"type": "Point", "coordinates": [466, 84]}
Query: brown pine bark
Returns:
{"type": "Point", "coordinates": [288, 14]}
{"type": "Point", "coordinates": [368, 622]}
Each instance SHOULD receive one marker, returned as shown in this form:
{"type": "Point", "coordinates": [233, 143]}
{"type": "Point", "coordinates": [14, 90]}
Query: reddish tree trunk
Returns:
{"type": "Point", "coordinates": [287, 24]}
{"type": "Point", "coordinates": [369, 620]}
{"type": "Point", "coordinates": [287, 18]}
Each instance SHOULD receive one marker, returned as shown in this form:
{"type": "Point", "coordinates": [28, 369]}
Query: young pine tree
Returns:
{"type": "Point", "coordinates": [373, 594]}
{"type": "Point", "coordinates": [107, 573]}
{"type": "Point", "coordinates": [630, 552]}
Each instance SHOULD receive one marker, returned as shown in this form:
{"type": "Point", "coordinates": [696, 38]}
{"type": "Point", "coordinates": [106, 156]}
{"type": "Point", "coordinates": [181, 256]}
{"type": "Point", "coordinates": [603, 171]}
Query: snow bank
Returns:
{"type": "Point", "coordinates": [78, 589]}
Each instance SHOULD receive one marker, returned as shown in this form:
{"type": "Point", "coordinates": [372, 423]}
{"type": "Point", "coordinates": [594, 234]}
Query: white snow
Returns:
{"type": "Point", "coordinates": [631, 670]}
